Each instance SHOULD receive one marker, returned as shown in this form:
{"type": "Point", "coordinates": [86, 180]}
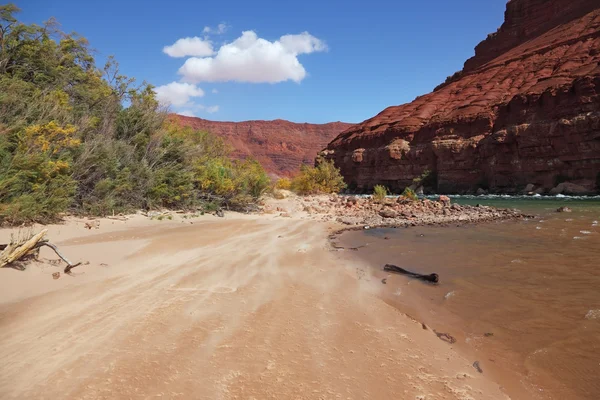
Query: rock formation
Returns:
{"type": "Point", "coordinates": [280, 146]}
{"type": "Point", "coordinates": [524, 110]}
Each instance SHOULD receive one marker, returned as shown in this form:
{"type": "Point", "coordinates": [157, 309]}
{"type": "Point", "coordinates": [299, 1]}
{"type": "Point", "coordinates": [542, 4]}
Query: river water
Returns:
{"type": "Point", "coordinates": [520, 297]}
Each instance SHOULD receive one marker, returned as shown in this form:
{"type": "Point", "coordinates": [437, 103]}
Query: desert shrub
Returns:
{"type": "Point", "coordinates": [283, 184]}
{"type": "Point", "coordinates": [324, 178]}
{"type": "Point", "coordinates": [35, 181]}
{"type": "Point", "coordinates": [410, 194]}
{"type": "Point", "coordinates": [379, 193]}
{"type": "Point", "coordinates": [74, 137]}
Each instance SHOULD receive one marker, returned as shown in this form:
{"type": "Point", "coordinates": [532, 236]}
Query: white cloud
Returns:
{"type": "Point", "coordinates": [177, 94]}
{"type": "Point", "coordinates": [253, 59]}
{"type": "Point", "coordinates": [190, 46]}
{"type": "Point", "coordinates": [219, 30]}
{"type": "Point", "coordinates": [304, 43]}
{"type": "Point", "coordinates": [212, 109]}
{"type": "Point", "coordinates": [214, 91]}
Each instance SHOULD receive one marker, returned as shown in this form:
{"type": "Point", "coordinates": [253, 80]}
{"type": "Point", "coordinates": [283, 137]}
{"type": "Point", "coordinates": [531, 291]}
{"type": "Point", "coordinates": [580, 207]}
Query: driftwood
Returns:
{"type": "Point", "coordinates": [434, 278]}
{"type": "Point", "coordinates": [16, 250]}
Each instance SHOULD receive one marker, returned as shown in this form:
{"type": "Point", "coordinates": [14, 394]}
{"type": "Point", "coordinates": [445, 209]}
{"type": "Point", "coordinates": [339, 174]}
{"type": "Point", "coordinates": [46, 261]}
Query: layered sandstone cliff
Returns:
{"type": "Point", "coordinates": [525, 109]}
{"type": "Point", "coordinates": [280, 146]}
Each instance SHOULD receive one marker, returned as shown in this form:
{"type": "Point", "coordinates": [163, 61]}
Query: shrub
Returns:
{"type": "Point", "coordinates": [324, 178]}
{"type": "Point", "coordinates": [379, 193]}
{"type": "Point", "coordinates": [427, 179]}
{"type": "Point", "coordinates": [410, 194]}
{"type": "Point", "coordinates": [76, 137]}
{"type": "Point", "coordinates": [283, 184]}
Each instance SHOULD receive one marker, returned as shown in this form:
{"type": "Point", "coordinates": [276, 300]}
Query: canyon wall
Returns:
{"type": "Point", "coordinates": [280, 146]}
{"type": "Point", "coordinates": [524, 110]}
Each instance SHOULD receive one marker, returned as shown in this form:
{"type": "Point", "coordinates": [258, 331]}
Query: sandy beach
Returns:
{"type": "Point", "coordinates": [246, 306]}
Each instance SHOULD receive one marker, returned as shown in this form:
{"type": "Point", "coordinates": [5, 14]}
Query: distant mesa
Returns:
{"type": "Point", "coordinates": [280, 146]}
{"type": "Point", "coordinates": [524, 110]}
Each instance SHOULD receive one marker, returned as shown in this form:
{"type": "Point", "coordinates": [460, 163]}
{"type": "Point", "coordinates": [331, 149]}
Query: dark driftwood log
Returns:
{"type": "Point", "coordinates": [434, 278]}
{"type": "Point", "coordinates": [69, 266]}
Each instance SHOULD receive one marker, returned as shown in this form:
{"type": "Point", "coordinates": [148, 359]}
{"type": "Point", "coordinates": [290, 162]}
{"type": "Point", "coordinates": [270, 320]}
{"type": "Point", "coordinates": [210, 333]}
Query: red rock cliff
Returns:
{"type": "Point", "coordinates": [280, 146]}
{"type": "Point", "coordinates": [525, 109]}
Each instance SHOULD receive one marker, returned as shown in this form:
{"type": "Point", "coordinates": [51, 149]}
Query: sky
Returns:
{"type": "Point", "coordinates": [309, 61]}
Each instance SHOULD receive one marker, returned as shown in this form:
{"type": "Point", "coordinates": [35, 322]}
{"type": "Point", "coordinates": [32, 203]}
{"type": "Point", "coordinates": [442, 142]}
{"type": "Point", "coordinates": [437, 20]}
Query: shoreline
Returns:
{"type": "Point", "coordinates": [508, 364]}
{"type": "Point", "coordinates": [275, 317]}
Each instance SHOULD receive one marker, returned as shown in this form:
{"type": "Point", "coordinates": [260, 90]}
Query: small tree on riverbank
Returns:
{"type": "Point", "coordinates": [324, 178]}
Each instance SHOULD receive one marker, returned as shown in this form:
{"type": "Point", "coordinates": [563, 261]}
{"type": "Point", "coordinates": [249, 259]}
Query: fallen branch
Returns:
{"type": "Point", "coordinates": [15, 251]}
{"type": "Point", "coordinates": [434, 278]}
{"type": "Point", "coordinates": [69, 266]}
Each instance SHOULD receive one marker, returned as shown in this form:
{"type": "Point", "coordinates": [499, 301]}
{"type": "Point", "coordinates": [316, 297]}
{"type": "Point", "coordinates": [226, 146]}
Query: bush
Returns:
{"type": "Point", "coordinates": [324, 178]}
{"type": "Point", "coordinates": [410, 194]}
{"type": "Point", "coordinates": [76, 137]}
{"type": "Point", "coordinates": [283, 184]}
{"type": "Point", "coordinates": [379, 193]}
{"type": "Point", "coordinates": [426, 179]}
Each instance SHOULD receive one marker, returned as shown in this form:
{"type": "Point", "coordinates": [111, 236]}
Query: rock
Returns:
{"type": "Point", "coordinates": [593, 314]}
{"type": "Point", "coordinates": [220, 213]}
{"type": "Point", "coordinates": [518, 112]}
{"type": "Point", "coordinates": [569, 188]}
{"type": "Point", "coordinates": [387, 213]}
{"type": "Point", "coordinates": [445, 200]}
{"type": "Point", "coordinates": [56, 275]}
{"type": "Point", "coordinates": [419, 191]}
{"type": "Point", "coordinates": [563, 209]}
{"type": "Point", "coordinates": [529, 188]}
{"type": "Point", "coordinates": [481, 192]}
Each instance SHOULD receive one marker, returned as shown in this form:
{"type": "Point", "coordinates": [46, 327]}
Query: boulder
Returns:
{"type": "Point", "coordinates": [445, 200]}
{"type": "Point", "coordinates": [481, 192]}
{"type": "Point", "coordinates": [563, 209]}
{"type": "Point", "coordinates": [387, 213]}
{"type": "Point", "coordinates": [569, 188]}
{"type": "Point", "coordinates": [529, 188]}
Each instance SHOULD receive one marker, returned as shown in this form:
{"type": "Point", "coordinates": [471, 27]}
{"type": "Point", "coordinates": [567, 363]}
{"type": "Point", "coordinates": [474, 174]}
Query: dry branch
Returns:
{"type": "Point", "coordinates": [14, 251]}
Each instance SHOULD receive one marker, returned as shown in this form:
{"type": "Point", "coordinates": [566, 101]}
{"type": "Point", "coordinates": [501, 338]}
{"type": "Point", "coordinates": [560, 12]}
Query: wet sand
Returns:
{"type": "Point", "coordinates": [518, 296]}
{"type": "Point", "coordinates": [239, 307]}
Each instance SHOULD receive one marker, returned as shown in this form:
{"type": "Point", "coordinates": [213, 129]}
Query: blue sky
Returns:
{"type": "Point", "coordinates": [314, 61]}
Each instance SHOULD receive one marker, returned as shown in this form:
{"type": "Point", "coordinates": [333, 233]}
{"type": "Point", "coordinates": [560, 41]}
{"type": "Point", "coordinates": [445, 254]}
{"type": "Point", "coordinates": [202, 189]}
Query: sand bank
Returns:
{"type": "Point", "coordinates": [222, 308]}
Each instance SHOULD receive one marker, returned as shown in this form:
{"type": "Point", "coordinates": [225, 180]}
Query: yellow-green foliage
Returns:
{"type": "Point", "coordinates": [283, 184]}
{"type": "Point", "coordinates": [324, 178]}
{"type": "Point", "coordinates": [67, 142]}
{"type": "Point", "coordinates": [410, 194]}
{"type": "Point", "coordinates": [379, 193]}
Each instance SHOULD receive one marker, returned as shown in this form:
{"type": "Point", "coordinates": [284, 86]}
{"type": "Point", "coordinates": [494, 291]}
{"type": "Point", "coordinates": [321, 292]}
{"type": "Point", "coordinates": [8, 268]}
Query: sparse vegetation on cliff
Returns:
{"type": "Point", "coordinates": [74, 137]}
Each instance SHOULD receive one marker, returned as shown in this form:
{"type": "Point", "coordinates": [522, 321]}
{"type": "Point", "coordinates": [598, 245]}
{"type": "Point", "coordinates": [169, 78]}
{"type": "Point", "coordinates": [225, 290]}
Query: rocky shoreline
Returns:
{"type": "Point", "coordinates": [363, 212]}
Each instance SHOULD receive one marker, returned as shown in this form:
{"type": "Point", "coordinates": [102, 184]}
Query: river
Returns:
{"type": "Point", "coordinates": [520, 297]}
